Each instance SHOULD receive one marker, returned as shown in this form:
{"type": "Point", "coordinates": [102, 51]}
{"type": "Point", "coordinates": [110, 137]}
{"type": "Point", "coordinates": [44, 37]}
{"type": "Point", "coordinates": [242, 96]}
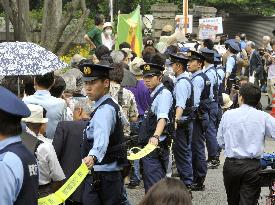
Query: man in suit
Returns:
{"type": "Point", "coordinates": [255, 63]}
{"type": "Point", "coordinates": [67, 141]}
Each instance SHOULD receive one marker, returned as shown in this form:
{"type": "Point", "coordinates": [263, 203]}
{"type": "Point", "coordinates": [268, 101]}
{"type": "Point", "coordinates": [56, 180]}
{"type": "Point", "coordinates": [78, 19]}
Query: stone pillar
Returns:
{"type": "Point", "coordinates": [164, 13]}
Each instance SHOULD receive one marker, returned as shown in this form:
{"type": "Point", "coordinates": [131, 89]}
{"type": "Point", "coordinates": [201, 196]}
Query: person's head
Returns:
{"type": "Point", "coordinates": [179, 63]}
{"type": "Point", "coordinates": [12, 110]}
{"type": "Point", "coordinates": [266, 40]}
{"type": "Point", "coordinates": [152, 75]}
{"type": "Point", "coordinates": [108, 28]}
{"type": "Point", "coordinates": [134, 66]}
{"type": "Point", "coordinates": [218, 39]}
{"type": "Point", "coordinates": [167, 30]}
{"type": "Point", "coordinates": [243, 37]}
{"type": "Point", "coordinates": [99, 20]}
{"type": "Point", "coordinates": [44, 82]}
{"type": "Point", "coordinates": [12, 83]}
{"type": "Point", "coordinates": [29, 85]}
{"type": "Point", "coordinates": [168, 191]}
{"type": "Point", "coordinates": [195, 62]}
{"type": "Point", "coordinates": [208, 55]}
{"type": "Point", "coordinates": [250, 94]}
{"type": "Point", "coordinates": [128, 56]}
{"type": "Point", "coordinates": [208, 43]}
{"type": "Point", "coordinates": [117, 56]}
{"type": "Point", "coordinates": [58, 87]}
{"type": "Point", "coordinates": [250, 46]}
{"type": "Point", "coordinates": [101, 51]}
{"type": "Point", "coordinates": [124, 45]}
{"type": "Point", "coordinates": [273, 32]}
{"type": "Point", "coordinates": [148, 41]}
{"type": "Point", "coordinates": [96, 80]}
{"type": "Point", "coordinates": [117, 73]}
{"type": "Point", "coordinates": [37, 122]}
{"type": "Point", "coordinates": [243, 80]}
{"type": "Point", "coordinates": [147, 53]}
{"type": "Point", "coordinates": [238, 37]}
{"type": "Point", "coordinates": [82, 109]}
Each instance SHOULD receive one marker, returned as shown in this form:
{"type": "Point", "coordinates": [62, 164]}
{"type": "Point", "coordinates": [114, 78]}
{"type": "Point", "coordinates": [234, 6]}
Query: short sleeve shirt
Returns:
{"type": "Point", "coordinates": [95, 36]}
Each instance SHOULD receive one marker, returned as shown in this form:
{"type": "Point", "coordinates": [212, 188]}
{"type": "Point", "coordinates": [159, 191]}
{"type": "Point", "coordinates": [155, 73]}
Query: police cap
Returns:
{"type": "Point", "coordinates": [150, 69]}
{"type": "Point", "coordinates": [235, 46]}
{"type": "Point", "coordinates": [11, 104]}
{"type": "Point", "coordinates": [217, 57]}
{"type": "Point", "coordinates": [193, 55]}
{"type": "Point", "coordinates": [178, 58]}
{"type": "Point", "coordinates": [207, 53]}
{"type": "Point", "coordinates": [94, 71]}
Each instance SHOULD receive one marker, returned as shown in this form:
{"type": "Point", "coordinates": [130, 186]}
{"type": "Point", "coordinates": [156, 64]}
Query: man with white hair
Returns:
{"type": "Point", "coordinates": [255, 63]}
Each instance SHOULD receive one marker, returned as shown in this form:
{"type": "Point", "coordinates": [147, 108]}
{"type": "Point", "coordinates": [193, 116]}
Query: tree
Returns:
{"type": "Point", "coordinates": [56, 18]}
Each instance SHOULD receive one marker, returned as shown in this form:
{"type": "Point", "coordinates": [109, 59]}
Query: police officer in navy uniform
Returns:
{"type": "Point", "coordinates": [184, 103]}
{"type": "Point", "coordinates": [155, 125]}
{"type": "Point", "coordinates": [103, 149]}
{"type": "Point", "coordinates": [211, 132]}
{"type": "Point", "coordinates": [18, 167]}
{"type": "Point", "coordinates": [201, 86]}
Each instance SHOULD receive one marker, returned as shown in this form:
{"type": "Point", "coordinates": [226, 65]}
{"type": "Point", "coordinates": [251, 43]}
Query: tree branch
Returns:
{"type": "Point", "coordinates": [79, 26]}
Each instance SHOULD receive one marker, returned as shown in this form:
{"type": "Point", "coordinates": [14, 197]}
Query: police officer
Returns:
{"type": "Point", "coordinates": [201, 85]}
{"type": "Point", "coordinates": [231, 65]}
{"type": "Point", "coordinates": [211, 132]}
{"type": "Point", "coordinates": [156, 119]}
{"type": "Point", "coordinates": [103, 140]}
{"type": "Point", "coordinates": [184, 98]}
{"type": "Point", "coordinates": [18, 167]}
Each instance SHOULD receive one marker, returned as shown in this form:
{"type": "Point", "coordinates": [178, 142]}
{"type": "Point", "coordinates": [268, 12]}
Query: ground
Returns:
{"type": "Point", "coordinates": [214, 193]}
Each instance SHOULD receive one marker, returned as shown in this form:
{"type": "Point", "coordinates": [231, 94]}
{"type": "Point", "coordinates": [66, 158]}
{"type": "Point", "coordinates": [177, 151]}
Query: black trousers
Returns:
{"type": "Point", "coordinates": [242, 181]}
{"type": "Point", "coordinates": [103, 188]}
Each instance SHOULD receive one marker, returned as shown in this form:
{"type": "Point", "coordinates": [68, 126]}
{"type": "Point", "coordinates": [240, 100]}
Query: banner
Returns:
{"type": "Point", "coordinates": [67, 189]}
{"type": "Point", "coordinates": [142, 152]}
{"type": "Point", "coordinates": [129, 29]}
{"type": "Point", "coordinates": [180, 23]}
{"type": "Point", "coordinates": [209, 27]}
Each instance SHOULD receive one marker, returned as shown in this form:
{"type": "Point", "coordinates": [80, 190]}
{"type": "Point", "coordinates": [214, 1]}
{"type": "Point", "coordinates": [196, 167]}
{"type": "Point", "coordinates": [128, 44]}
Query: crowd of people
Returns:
{"type": "Point", "coordinates": [187, 97]}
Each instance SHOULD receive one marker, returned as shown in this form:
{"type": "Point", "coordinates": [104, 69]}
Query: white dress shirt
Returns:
{"type": "Point", "coordinates": [48, 164]}
{"type": "Point", "coordinates": [242, 132]}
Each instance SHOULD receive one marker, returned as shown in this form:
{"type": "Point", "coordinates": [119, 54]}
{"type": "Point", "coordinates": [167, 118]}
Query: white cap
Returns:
{"type": "Point", "coordinates": [135, 66]}
{"type": "Point", "coordinates": [227, 102]}
{"type": "Point", "coordinates": [107, 24]}
{"type": "Point", "coordinates": [36, 114]}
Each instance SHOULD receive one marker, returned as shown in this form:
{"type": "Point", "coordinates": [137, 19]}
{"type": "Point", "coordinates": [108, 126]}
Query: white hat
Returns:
{"type": "Point", "coordinates": [107, 24]}
{"type": "Point", "coordinates": [227, 102]}
{"type": "Point", "coordinates": [36, 114]}
{"type": "Point", "coordinates": [135, 66]}
{"type": "Point", "coordinates": [128, 51]}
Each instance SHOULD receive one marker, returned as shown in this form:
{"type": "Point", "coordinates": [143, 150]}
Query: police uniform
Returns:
{"type": "Point", "coordinates": [103, 139]}
{"type": "Point", "coordinates": [155, 164]}
{"type": "Point", "coordinates": [184, 98]}
{"type": "Point", "coordinates": [201, 85]}
{"type": "Point", "coordinates": [231, 66]}
{"type": "Point", "coordinates": [211, 132]}
{"type": "Point", "coordinates": [18, 167]}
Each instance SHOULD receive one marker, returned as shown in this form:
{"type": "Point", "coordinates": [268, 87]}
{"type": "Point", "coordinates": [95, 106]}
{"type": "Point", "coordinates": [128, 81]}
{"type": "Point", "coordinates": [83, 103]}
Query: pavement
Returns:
{"type": "Point", "coordinates": [214, 193]}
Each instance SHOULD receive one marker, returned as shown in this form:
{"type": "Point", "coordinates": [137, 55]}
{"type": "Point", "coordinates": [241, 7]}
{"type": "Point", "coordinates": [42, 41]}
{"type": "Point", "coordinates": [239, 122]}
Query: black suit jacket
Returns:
{"type": "Point", "coordinates": [256, 65]}
{"type": "Point", "coordinates": [67, 141]}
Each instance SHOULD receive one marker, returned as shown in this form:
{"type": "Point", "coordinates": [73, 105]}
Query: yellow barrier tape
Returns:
{"type": "Point", "coordinates": [142, 152]}
{"type": "Point", "coordinates": [67, 189]}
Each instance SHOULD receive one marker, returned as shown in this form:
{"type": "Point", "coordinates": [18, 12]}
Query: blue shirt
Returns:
{"type": "Point", "coordinates": [100, 128]}
{"type": "Point", "coordinates": [243, 44]}
{"type": "Point", "coordinates": [198, 86]}
{"type": "Point", "coordinates": [211, 74]}
{"type": "Point", "coordinates": [56, 109]}
{"type": "Point", "coordinates": [242, 132]}
{"type": "Point", "coordinates": [230, 64]}
{"type": "Point", "coordinates": [11, 173]}
{"type": "Point", "coordinates": [162, 104]}
{"type": "Point", "coordinates": [182, 91]}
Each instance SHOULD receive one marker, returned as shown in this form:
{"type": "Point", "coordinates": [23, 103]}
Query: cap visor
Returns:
{"type": "Point", "coordinates": [149, 74]}
{"type": "Point", "coordinates": [85, 79]}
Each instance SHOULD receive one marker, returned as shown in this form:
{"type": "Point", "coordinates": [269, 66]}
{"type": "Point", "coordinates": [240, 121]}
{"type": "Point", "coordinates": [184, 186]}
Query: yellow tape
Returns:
{"type": "Point", "coordinates": [142, 152]}
{"type": "Point", "coordinates": [67, 189]}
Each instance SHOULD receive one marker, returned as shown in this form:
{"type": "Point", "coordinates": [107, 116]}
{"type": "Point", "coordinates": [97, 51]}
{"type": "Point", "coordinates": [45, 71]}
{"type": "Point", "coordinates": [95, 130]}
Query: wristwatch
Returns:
{"type": "Point", "coordinates": [156, 136]}
{"type": "Point", "coordinates": [94, 158]}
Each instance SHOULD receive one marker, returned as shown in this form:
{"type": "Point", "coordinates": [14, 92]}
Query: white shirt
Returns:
{"type": "Point", "coordinates": [48, 164]}
{"type": "Point", "coordinates": [242, 132]}
{"type": "Point", "coordinates": [107, 41]}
